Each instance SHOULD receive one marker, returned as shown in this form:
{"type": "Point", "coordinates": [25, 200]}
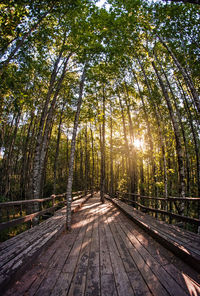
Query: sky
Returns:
{"type": "Point", "coordinates": [100, 3]}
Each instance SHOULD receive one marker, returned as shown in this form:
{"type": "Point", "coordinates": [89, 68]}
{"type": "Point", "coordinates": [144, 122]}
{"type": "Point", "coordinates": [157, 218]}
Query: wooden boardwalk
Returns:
{"type": "Point", "coordinates": [106, 254]}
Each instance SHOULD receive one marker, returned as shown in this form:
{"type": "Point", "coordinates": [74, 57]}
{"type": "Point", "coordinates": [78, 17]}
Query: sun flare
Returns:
{"type": "Point", "coordinates": [138, 143]}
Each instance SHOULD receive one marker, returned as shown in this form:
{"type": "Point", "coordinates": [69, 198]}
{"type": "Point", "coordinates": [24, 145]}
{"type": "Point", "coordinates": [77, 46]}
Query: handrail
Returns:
{"type": "Point", "coordinates": [162, 198]}
{"type": "Point", "coordinates": [155, 208]}
{"type": "Point", "coordinates": [29, 201]}
{"type": "Point", "coordinates": [183, 218]}
{"type": "Point", "coordinates": [14, 222]}
{"type": "Point", "coordinates": [29, 217]}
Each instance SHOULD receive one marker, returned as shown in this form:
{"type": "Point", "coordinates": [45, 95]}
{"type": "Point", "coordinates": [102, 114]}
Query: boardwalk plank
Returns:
{"type": "Point", "coordinates": [155, 259]}
{"type": "Point", "coordinates": [93, 275]}
{"type": "Point", "coordinates": [139, 286]}
{"type": "Point", "coordinates": [62, 285]}
{"type": "Point", "coordinates": [105, 262]}
{"type": "Point", "coordinates": [79, 281]}
{"type": "Point", "coordinates": [108, 287]}
{"type": "Point", "coordinates": [168, 282]}
{"type": "Point", "coordinates": [123, 285]}
{"type": "Point", "coordinates": [164, 234]}
{"type": "Point", "coordinates": [48, 283]}
{"type": "Point", "coordinates": [24, 284]}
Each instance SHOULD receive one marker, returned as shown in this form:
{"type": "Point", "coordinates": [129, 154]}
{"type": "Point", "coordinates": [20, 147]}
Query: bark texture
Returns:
{"type": "Point", "coordinates": [73, 145]}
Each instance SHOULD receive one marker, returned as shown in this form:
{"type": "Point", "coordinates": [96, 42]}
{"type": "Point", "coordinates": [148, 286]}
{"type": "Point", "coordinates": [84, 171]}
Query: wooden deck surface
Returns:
{"type": "Point", "coordinates": [181, 242]}
{"type": "Point", "coordinates": [106, 254]}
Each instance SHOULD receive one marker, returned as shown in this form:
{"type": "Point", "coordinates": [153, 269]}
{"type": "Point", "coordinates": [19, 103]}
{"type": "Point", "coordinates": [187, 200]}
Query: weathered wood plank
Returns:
{"type": "Point", "coordinates": [108, 286]}
{"type": "Point", "coordinates": [186, 252]}
{"type": "Point", "coordinates": [105, 262]}
{"type": "Point", "coordinates": [168, 280]}
{"type": "Point", "coordinates": [48, 283]}
{"type": "Point", "coordinates": [93, 274]}
{"type": "Point", "coordinates": [29, 244]}
{"type": "Point", "coordinates": [79, 280]}
{"type": "Point", "coordinates": [62, 285]}
{"type": "Point", "coordinates": [123, 284]}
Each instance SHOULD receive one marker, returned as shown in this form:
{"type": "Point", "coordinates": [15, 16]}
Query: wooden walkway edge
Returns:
{"type": "Point", "coordinates": [17, 253]}
{"type": "Point", "coordinates": [182, 243]}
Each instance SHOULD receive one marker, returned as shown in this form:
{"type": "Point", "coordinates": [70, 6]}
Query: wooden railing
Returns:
{"type": "Point", "coordinates": [17, 212]}
{"type": "Point", "coordinates": [164, 206]}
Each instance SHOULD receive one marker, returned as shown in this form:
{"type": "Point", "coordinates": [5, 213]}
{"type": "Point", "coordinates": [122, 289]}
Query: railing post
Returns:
{"type": "Point", "coordinates": [1, 215]}
{"type": "Point", "coordinates": [21, 210]}
{"type": "Point", "coordinates": [41, 206]}
{"type": "Point", "coordinates": [35, 220]}
{"type": "Point", "coordinates": [13, 212]}
{"type": "Point", "coordinates": [53, 196]}
{"type": "Point", "coordinates": [170, 210]}
{"type": "Point", "coordinates": [8, 215]}
{"type": "Point", "coordinates": [156, 207]}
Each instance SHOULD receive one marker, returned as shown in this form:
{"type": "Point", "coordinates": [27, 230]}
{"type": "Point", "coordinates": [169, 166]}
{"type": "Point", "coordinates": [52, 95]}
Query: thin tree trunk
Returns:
{"type": "Point", "coordinates": [93, 162]}
{"type": "Point", "coordinates": [73, 145]}
{"type": "Point", "coordinates": [128, 163]}
{"type": "Point", "coordinates": [149, 137]}
{"type": "Point", "coordinates": [8, 163]}
{"type": "Point", "coordinates": [186, 76]}
{"type": "Point", "coordinates": [57, 149]}
{"type": "Point", "coordinates": [67, 155]}
{"type": "Point", "coordinates": [177, 137]}
{"type": "Point", "coordinates": [142, 192]}
{"type": "Point", "coordinates": [182, 129]}
{"type": "Point", "coordinates": [111, 154]}
{"type": "Point", "coordinates": [102, 185]}
{"type": "Point", "coordinates": [23, 174]}
{"type": "Point", "coordinates": [86, 161]}
{"type": "Point", "coordinates": [133, 155]}
{"type": "Point", "coordinates": [39, 140]}
{"type": "Point", "coordinates": [159, 125]}
{"type": "Point", "coordinates": [81, 163]}
{"type": "Point", "coordinates": [195, 137]}
{"type": "Point", "coordinates": [42, 140]}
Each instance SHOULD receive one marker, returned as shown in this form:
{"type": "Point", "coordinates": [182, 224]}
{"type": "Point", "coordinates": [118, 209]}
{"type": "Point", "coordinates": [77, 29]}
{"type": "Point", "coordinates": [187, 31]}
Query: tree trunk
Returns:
{"type": "Point", "coordinates": [42, 140]}
{"type": "Point", "coordinates": [93, 162]}
{"type": "Point", "coordinates": [159, 125]}
{"type": "Point", "coordinates": [102, 181]}
{"type": "Point", "coordinates": [142, 192]}
{"type": "Point", "coordinates": [149, 137]}
{"type": "Point", "coordinates": [195, 137]}
{"type": "Point", "coordinates": [9, 156]}
{"type": "Point", "coordinates": [24, 174]}
{"type": "Point", "coordinates": [186, 76]}
{"type": "Point", "coordinates": [128, 157]}
{"type": "Point", "coordinates": [182, 129]}
{"type": "Point", "coordinates": [86, 161]}
{"type": "Point", "coordinates": [57, 149]}
{"type": "Point", "coordinates": [102, 185]}
{"type": "Point", "coordinates": [73, 144]}
{"type": "Point", "coordinates": [133, 155]}
{"type": "Point", "coordinates": [111, 154]}
{"type": "Point", "coordinates": [177, 138]}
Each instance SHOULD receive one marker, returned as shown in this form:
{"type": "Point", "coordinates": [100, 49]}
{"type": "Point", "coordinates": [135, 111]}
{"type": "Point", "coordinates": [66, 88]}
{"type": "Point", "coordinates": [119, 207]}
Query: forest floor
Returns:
{"type": "Point", "coordinates": [106, 254]}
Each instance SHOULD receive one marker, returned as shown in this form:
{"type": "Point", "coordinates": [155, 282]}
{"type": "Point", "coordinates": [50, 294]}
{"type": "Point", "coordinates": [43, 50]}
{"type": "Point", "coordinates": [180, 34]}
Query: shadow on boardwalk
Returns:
{"type": "Point", "coordinates": [106, 254]}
